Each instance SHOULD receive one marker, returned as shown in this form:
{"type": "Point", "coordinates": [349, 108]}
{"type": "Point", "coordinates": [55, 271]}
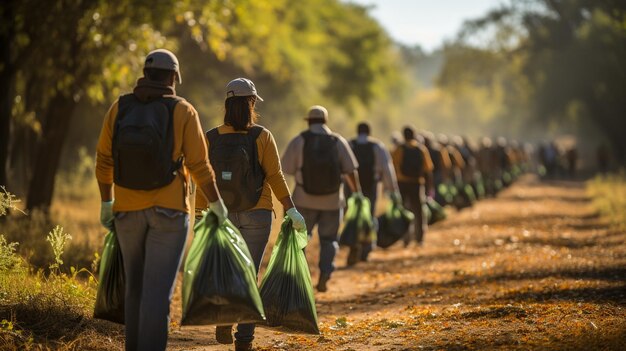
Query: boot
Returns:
{"type": "Point", "coordinates": [224, 334]}
{"type": "Point", "coordinates": [321, 284]}
{"type": "Point", "coordinates": [243, 346]}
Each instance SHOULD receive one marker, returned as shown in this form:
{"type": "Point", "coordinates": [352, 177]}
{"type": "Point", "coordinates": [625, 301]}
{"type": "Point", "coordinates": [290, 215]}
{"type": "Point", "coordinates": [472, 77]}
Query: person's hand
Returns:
{"type": "Point", "coordinates": [297, 221]}
{"type": "Point", "coordinates": [396, 197]}
{"type": "Point", "coordinates": [431, 193]}
{"type": "Point", "coordinates": [106, 214]}
{"type": "Point", "coordinates": [220, 210]}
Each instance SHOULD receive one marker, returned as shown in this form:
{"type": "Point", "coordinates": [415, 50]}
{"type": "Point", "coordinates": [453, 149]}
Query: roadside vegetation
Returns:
{"type": "Point", "coordinates": [47, 308]}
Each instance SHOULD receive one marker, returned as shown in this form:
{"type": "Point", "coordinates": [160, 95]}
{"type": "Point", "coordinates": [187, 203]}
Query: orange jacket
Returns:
{"type": "Point", "coordinates": [188, 142]}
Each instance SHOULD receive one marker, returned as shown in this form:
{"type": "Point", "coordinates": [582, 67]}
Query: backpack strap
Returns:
{"type": "Point", "coordinates": [170, 101]}
{"type": "Point", "coordinates": [212, 135]}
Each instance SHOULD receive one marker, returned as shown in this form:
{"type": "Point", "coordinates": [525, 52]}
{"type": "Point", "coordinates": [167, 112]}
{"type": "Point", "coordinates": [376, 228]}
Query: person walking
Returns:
{"type": "Point", "coordinates": [247, 166]}
{"type": "Point", "coordinates": [318, 158]}
{"type": "Point", "coordinates": [375, 167]}
{"type": "Point", "coordinates": [414, 169]}
{"type": "Point", "coordinates": [150, 144]}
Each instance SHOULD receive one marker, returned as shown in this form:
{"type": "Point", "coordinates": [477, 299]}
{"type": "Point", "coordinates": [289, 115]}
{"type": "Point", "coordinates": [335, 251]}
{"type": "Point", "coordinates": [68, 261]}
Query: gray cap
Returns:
{"type": "Point", "coordinates": [163, 59]}
{"type": "Point", "coordinates": [241, 87]}
{"type": "Point", "coordinates": [317, 112]}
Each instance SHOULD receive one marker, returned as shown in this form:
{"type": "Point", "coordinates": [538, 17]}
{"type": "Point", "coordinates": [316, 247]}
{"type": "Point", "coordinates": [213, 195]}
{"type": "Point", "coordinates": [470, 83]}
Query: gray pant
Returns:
{"type": "Point", "coordinates": [255, 227]}
{"type": "Point", "coordinates": [327, 222]}
{"type": "Point", "coordinates": [152, 243]}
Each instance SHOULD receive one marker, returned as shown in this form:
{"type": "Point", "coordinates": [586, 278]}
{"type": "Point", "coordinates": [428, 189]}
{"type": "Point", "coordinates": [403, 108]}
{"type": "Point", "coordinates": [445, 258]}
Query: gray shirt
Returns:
{"type": "Point", "coordinates": [383, 166]}
{"type": "Point", "coordinates": [292, 165]}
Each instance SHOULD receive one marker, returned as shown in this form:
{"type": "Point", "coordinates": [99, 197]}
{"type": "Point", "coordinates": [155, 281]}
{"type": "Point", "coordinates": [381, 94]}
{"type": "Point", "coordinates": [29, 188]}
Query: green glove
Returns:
{"type": "Point", "coordinates": [296, 219]}
{"type": "Point", "coordinates": [106, 214]}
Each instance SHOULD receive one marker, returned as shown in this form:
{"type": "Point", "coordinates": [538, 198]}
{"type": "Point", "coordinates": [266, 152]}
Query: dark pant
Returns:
{"type": "Point", "coordinates": [372, 196]}
{"type": "Point", "coordinates": [327, 222]}
{"type": "Point", "coordinates": [413, 198]}
{"type": "Point", "coordinates": [255, 227]}
{"type": "Point", "coordinates": [152, 243]}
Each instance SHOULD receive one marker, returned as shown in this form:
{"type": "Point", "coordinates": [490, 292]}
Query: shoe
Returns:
{"type": "Point", "coordinates": [224, 334]}
{"type": "Point", "coordinates": [321, 284]}
{"type": "Point", "coordinates": [243, 346]}
{"type": "Point", "coordinates": [353, 256]}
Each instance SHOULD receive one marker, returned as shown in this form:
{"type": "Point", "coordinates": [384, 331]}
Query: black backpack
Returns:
{"type": "Point", "coordinates": [367, 162]}
{"type": "Point", "coordinates": [321, 173]}
{"type": "Point", "coordinates": [412, 161]}
{"type": "Point", "coordinates": [235, 160]}
{"type": "Point", "coordinates": [143, 142]}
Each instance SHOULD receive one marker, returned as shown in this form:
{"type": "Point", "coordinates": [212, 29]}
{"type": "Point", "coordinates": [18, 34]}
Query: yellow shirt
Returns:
{"type": "Point", "coordinates": [188, 142]}
{"type": "Point", "coordinates": [427, 164]}
{"type": "Point", "coordinates": [270, 162]}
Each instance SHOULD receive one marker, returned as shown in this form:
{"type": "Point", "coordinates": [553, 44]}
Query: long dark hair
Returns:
{"type": "Point", "coordinates": [239, 112]}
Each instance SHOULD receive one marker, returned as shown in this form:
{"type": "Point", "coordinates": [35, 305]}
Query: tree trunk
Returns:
{"type": "Point", "coordinates": [54, 132]}
{"type": "Point", "coordinates": [6, 86]}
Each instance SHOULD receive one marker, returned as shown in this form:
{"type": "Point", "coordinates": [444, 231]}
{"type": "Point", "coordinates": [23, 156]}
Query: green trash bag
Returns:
{"type": "Point", "coordinates": [446, 193]}
{"type": "Point", "coordinates": [219, 281]}
{"type": "Point", "coordinates": [359, 223]}
{"type": "Point", "coordinates": [437, 213]}
{"type": "Point", "coordinates": [286, 289]}
{"type": "Point", "coordinates": [393, 224]}
{"type": "Point", "coordinates": [111, 282]}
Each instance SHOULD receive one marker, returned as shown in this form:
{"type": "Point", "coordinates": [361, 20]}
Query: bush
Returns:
{"type": "Point", "coordinates": [609, 197]}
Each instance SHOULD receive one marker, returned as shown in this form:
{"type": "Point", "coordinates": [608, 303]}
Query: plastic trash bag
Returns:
{"type": "Point", "coordinates": [393, 224]}
{"type": "Point", "coordinates": [437, 213]}
{"type": "Point", "coordinates": [111, 282]}
{"type": "Point", "coordinates": [286, 289]}
{"type": "Point", "coordinates": [358, 228]}
{"type": "Point", "coordinates": [219, 281]}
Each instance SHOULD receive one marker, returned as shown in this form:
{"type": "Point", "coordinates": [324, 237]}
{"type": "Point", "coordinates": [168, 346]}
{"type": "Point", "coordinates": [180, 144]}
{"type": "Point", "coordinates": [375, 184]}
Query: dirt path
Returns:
{"type": "Point", "coordinates": [533, 269]}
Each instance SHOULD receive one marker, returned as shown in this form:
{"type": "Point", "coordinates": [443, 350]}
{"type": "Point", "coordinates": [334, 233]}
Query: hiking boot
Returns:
{"type": "Point", "coordinates": [353, 256]}
{"type": "Point", "coordinates": [243, 346]}
{"type": "Point", "coordinates": [321, 284]}
{"type": "Point", "coordinates": [224, 334]}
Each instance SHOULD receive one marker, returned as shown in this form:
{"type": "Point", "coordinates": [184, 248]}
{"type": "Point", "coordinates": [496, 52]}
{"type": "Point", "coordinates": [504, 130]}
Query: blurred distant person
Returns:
{"type": "Point", "coordinates": [441, 164]}
{"type": "Point", "coordinates": [375, 167]}
{"type": "Point", "coordinates": [603, 157]}
{"type": "Point", "coordinates": [572, 161]}
{"type": "Point", "coordinates": [150, 145]}
{"type": "Point", "coordinates": [414, 171]}
{"type": "Point", "coordinates": [318, 158]}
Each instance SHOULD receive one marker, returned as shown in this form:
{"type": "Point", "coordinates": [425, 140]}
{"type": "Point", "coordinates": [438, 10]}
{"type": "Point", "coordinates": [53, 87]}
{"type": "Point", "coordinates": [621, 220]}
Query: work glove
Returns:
{"type": "Point", "coordinates": [106, 214]}
{"type": "Point", "coordinates": [431, 193]}
{"type": "Point", "coordinates": [220, 210]}
{"type": "Point", "coordinates": [297, 221]}
{"type": "Point", "coordinates": [396, 197]}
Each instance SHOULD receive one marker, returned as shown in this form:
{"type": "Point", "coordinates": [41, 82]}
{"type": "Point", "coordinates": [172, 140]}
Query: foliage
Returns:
{"type": "Point", "coordinates": [58, 238]}
{"type": "Point", "coordinates": [549, 63]}
{"type": "Point", "coordinates": [49, 312]}
{"type": "Point", "coordinates": [609, 197]}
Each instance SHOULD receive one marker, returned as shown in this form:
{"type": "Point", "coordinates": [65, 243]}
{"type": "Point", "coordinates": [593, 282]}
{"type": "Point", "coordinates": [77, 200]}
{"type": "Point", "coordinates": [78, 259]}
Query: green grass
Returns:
{"type": "Point", "coordinates": [609, 197]}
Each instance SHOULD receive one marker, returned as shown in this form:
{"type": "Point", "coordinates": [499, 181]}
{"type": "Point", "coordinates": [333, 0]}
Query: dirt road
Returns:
{"type": "Point", "coordinates": [535, 268]}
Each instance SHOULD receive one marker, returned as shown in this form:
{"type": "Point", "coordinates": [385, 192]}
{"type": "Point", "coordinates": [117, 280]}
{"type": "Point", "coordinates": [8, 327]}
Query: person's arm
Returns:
{"type": "Point", "coordinates": [196, 159]}
{"type": "Point", "coordinates": [428, 167]}
{"type": "Point", "coordinates": [349, 165]}
{"type": "Point", "coordinates": [352, 179]}
{"type": "Point", "coordinates": [104, 167]}
{"type": "Point", "coordinates": [270, 162]}
{"type": "Point", "coordinates": [387, 171]}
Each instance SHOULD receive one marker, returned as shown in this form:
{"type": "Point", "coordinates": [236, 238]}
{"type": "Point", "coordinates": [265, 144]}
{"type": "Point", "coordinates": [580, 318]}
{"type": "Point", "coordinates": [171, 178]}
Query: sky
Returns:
{"type": "Point", "coordinates": [426, 22]}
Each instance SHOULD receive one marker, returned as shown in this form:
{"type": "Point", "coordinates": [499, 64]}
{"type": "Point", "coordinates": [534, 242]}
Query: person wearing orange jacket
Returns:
{"type": "Point", "coordinates": [150, 147]}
